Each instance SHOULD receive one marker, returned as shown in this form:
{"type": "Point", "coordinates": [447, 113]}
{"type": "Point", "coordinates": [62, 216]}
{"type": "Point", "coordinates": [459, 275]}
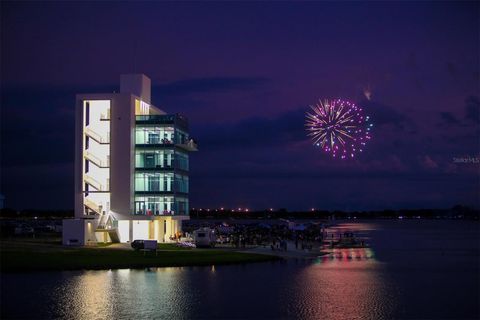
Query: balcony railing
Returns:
{"type": "Point", "coordinates": [189, 145]}
{"type": "Point", "coordinates": [97, 137]}
{"type": "Point", "coordinates": [175, 119]}
{"type": "Point", "coordinates": [97, 160]}
{"type": "Point", "coordinates": [92, 205]}
{"type": "Point", "coordinates": [148, 212]}
{"type": "Point", "coordinates": [96, 184]}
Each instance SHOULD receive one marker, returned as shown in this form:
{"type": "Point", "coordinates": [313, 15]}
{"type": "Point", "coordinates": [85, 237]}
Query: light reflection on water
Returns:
{"type": "Point", "coordinates": [130, 294]}
{"type": "Point", "coordinates": [406, 269]}
{"type": "Point", "coordinates": [347, 284]}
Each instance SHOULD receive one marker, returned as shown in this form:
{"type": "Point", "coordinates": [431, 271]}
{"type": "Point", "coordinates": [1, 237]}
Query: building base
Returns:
{"type": "Point", "coordinates": [81, 232]}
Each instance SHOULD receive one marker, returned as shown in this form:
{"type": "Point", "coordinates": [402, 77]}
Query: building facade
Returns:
{"type": "Point", "coordinates": [131, 167]}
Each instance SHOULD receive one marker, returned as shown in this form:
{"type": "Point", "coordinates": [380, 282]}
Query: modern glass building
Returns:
{"type": "Point", "coordinates": [131, 167]}
{"type": "Point", "coordinates": [161, 165]}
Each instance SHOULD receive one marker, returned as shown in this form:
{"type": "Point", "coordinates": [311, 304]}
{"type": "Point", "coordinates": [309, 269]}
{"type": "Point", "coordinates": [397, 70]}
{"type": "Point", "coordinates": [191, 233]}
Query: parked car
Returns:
{"type": "Point", "coordinates": [138, 244]}
{"type": "Point", "coordinates": [144, 244]}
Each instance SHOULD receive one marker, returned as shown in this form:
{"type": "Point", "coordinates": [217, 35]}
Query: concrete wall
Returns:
{"type": "Point", "coordinates": [79, 232]}
{"type": "Point", "coordinates": [122, 155]}
{"type": "Point", "coordinates": [136, 84]}
{"type": "Point", "coordinates": [78, 196]}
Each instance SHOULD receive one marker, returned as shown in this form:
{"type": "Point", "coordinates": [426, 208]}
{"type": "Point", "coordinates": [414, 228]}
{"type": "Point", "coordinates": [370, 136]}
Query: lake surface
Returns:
{"type": "Point", "coordinates": [413, 269]}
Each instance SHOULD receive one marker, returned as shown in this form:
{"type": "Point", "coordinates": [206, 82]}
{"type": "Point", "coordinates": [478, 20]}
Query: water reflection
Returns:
{"type": "Point", "coordinates": [404, 275]}
{"type": "Point", "coordinates": [347, 255]}
{"type": "Point", "coordinates": [131, 294]}
{"type": "Point", "coordinates": [348, 284]}
{"type": "Point", "coordinates": [85, 297]}
{"type": "Point", "coordinates": [345, 284]}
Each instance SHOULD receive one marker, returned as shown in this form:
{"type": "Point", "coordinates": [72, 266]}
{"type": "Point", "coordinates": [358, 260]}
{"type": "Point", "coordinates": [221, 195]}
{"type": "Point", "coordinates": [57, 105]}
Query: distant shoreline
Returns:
{"type": "Point", "coordinates": [458, 212]}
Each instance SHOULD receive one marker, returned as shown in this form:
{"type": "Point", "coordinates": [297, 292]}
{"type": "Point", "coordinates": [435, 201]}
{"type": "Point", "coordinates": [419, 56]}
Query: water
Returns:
{"type": "Point", "coordinates": [414, 269]}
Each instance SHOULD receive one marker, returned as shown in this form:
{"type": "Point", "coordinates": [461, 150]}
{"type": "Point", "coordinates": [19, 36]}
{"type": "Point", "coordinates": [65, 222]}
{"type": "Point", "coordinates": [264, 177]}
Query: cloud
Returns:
{"type": "Point", "coordinates": [214, 84]}
{"type": "Point", "coordinates": [385, 115]}
{"type": "Point", "coordinates": [471, 114]}
{"type": "Point", "coordinates": [428, 163]}
{"type": "Point", "coordinates": [448, 118]}
{"type": "Point", "coordinates": [256, 131]}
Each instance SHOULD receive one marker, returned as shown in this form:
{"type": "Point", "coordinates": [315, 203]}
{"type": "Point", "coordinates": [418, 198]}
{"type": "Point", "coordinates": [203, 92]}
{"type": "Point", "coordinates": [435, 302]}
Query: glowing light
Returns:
{"type": "Point", "coordinates": [141, 107]}
{"type": "Point", "coordinates": [124, 230]}
{"type": "Point", "coordinates": [338, 127]}
{"type": "Point", "coordinates": [141, 230]}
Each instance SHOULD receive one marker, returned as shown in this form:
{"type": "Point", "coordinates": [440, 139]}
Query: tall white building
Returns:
{"type": "Point", "coordinates": [131, 167]}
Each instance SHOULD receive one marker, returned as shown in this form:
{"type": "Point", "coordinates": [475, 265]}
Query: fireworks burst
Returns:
{"type": "Point", "coordinates": [338, 127]}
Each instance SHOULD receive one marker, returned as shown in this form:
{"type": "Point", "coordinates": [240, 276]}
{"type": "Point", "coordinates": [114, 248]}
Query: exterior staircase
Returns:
{"type": "Point", "coordinates": [113, 235]}
{"type": "Point", "coordinates": [97, 137]}
{"type": "Point", "coordinates": [92, 206]}
{"type": "Point", "coordinates": [96, 160]}
{"type": "Point", "coordinates": [95, 184]}
{"type": "Point", "coordinates": [106, 224]}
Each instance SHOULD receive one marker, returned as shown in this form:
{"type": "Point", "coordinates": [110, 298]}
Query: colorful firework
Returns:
{"type": "Point", "coordinates": [338, 127]}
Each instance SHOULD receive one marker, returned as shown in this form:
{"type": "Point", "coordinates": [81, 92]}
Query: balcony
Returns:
{"type": "Point", "coordinates": [172, 119]}
{"type": "Point", "coordinates": [188, 145]}
{"type": "Point", "coordinates": [158, 167]}
{"type": "Point", "coordinates": [149, 212]}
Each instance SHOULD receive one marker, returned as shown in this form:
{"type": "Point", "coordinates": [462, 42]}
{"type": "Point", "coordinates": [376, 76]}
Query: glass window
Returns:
{"type": "Point", "coordinates": [154, 182]}
{"type": "Point", "coordinates": [149, 159]}
{"type": "Point", "coordinates": [181, 161]}
{"type": "Point", "coordinates": [181, 204]}
{"type": "Point", "coordinates": [181, 183]}
{"type": "Point", "coordinates": [181, 137]}
{"type": "Point", "coordinates": [154, 159]}
{"type": "Point", "coordinates": [154, 135]}
{"type": "Point", "coordinates": [147, 205]}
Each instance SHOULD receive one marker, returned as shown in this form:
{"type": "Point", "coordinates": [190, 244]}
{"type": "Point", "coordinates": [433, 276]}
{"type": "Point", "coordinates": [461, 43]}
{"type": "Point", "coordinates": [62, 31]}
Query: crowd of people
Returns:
{"type": "Point", "coordinates": [275, 235]}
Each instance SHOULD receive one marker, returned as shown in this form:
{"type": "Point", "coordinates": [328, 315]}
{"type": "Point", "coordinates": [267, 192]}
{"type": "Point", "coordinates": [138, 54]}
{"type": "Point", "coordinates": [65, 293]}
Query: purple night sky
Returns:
{"type": "Point", "coordinates": [245, 74]}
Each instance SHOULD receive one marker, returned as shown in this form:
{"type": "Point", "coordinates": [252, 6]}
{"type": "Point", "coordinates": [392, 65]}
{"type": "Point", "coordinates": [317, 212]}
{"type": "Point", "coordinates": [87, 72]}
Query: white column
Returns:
{"type": "Point", "coordinates": [161, 235]}
{"type": "Point", "coordinates": [130, 230]}
{"type": "Point", "coordinates": [168, 232]}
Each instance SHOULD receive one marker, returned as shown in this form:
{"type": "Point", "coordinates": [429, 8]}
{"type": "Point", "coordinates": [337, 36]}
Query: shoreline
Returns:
{"type": "Point", "coordinates": [17, 256]}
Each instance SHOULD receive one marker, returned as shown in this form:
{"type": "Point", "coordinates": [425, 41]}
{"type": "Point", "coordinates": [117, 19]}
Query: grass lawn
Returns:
{"type": "Point", "coordinates": [31, 256]}
{"type": "Point", "coordinates": [171, 246]}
